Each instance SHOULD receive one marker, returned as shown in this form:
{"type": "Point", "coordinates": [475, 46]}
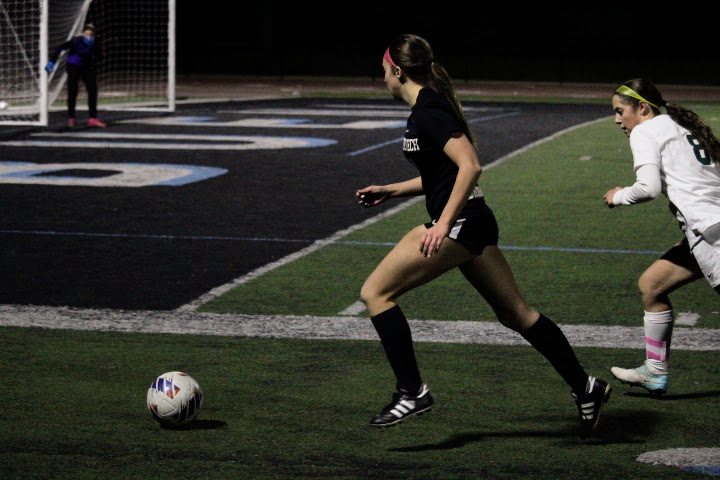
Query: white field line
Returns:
{"type": "Point", "coordinates": [683, 457]}
{"type": "Point", "coordinates": [541, 141]}
{"type": "Point", "coordinates": [327, 328]}
{"type": "Point", "coordinates": [186, 320]}
{"type": "Point", "coordinates": [216, 292]}
{"type": "Point", "coordinates": [318, 244]}
{"type": "Point", "coordinates": [355, 309]}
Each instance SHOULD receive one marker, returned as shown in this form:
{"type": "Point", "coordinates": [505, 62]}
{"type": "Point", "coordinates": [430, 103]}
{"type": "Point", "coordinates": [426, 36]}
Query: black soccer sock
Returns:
{"type": "Point", "coordinates": [394, 331]}
{"type": "Point", "coordinates": [548, 339]}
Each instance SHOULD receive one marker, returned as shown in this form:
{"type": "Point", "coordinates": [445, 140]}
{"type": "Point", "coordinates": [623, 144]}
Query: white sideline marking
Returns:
{"type": "Point", "coordinates": [687, 318]}
{"type": "Point", "coordinates": [373, 111]}
{"type": "Point", "coordinates": [400, 139]}
{"type": "Point", "coordinates": [169, 141]}
{"type": "Point", "coordinates": [216, 292]}
{"type": "Point", "coordinates": [268, 123]}
{"type": "Point", "coordinates": [685, 458]}
{"type": "Point", "coordinates": [355, 112]}
{"type": "Point", "coordinates": [318, 244]}
{"type": "Point", "coordinates": [327, 328]}
{"type": "Point", "coordinates": [541, 141]}
{"type": "Point", "coordinates": [355, 309]}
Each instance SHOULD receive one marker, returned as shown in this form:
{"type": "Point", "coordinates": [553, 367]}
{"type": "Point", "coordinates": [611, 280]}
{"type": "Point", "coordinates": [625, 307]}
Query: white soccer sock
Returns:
{"type": "Point", "coordinates": [658, 331]}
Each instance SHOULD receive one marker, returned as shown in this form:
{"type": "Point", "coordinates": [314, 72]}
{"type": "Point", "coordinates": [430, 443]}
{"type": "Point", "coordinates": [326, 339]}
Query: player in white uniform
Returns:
{"type": "Point", "coordinates": [678, 155]}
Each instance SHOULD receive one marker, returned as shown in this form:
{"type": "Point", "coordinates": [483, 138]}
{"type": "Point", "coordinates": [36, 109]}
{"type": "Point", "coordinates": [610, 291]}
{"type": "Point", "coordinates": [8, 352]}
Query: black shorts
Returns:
{"type": "Point", "coordinates": [474, 232]}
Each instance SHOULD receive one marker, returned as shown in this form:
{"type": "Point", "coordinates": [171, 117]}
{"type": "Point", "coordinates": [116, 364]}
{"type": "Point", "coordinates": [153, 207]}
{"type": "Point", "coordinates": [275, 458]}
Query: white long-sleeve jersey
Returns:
{"type": "Point", "coordinates": [668, 159]}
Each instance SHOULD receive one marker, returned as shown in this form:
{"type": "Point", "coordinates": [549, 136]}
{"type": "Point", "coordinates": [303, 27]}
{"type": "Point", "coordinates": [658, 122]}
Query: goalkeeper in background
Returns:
{"type": "Point", "coordinates": [83, 55]}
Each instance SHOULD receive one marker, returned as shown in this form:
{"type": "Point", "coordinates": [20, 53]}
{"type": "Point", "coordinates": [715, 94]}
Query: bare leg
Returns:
{"type": "Point", "coordinates": [405, 268]}
{"type": "Point", "coordinates": [401, 270]}
{"type": "Point", "coordinates": [490, 274]}
{"type": "Point", "coordinates": [675, 269]}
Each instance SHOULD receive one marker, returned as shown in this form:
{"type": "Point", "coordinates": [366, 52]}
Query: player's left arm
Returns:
{"type": "Point", "coordinates": [52, 60]}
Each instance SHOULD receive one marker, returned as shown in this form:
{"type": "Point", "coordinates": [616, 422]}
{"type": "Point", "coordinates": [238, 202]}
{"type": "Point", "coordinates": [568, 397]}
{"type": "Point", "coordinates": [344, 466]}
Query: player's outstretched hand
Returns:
{"type": "Point", "coordinates": [371, 196]}
{"type": "Point", "coordinates": [609, 195]}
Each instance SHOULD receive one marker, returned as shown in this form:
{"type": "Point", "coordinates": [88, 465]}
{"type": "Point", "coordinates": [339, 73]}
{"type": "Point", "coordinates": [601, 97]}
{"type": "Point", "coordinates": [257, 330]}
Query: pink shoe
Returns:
{"type": "Point", "coordinates": [71, 122]}
{"type": "Point", "coordinates": [94, 122]}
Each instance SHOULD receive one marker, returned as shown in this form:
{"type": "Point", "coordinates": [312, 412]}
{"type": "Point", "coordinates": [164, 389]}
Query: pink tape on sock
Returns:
{"type": "Point", "coordinates": [653, 346]}
{"type": "Point", "coordinates": [655, 343]}
{"type": "Point", "coordinates": [654, 356]}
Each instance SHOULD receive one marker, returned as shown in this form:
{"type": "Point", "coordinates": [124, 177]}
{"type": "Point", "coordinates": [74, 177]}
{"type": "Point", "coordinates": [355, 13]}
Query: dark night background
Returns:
{"type": "Point", "coordinates": [504, 41]}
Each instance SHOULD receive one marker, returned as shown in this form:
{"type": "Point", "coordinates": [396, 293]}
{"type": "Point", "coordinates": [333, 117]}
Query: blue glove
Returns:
{"type": "Point", "coordinates": [50, 67]}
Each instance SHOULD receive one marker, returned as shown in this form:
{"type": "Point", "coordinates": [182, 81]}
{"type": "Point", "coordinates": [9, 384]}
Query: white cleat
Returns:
{"type": "Point", "coordinates": [642, 377]}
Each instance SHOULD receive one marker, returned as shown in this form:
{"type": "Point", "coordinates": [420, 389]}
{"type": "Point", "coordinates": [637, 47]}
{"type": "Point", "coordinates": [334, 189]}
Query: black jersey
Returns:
{"type": "Point", "coordinates": [429, 127]}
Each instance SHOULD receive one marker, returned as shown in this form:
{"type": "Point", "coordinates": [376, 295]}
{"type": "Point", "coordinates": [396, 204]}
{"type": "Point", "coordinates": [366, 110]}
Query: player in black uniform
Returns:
{"type": "Point", "coordinates": [463, 233]}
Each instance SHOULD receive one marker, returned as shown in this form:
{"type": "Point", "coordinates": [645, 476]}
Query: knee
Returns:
{"type": "Point", "coordinates": [506, 318]}
{"type": "Point", "coordinates": [366, 294]}
{"type": "Point", "coordinates": [375, 299]}
{"type": "Point", "coordinates": [511, 323]}
{"type": "Point", "coordinates": [369, 294]}
{"type": "Point", "coordinates": [518, 319]}
{"type": "Point", "coordinates": [650, 289]}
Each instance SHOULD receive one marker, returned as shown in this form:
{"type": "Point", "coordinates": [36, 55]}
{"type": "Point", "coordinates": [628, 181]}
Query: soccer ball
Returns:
{"type": "Point", "coordinates": [174, 399]}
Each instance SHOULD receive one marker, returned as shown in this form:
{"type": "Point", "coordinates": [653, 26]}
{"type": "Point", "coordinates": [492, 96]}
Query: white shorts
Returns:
{"type": "Point", "coordinates": [706, 250]}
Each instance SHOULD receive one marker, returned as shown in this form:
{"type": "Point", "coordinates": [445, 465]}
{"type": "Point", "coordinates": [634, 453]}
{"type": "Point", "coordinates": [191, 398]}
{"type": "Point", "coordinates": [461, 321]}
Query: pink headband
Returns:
{"type": "Point", "coordinates": [389, 59]}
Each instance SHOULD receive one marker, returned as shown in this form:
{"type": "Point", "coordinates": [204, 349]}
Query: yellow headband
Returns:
{"type": "Point", "coordinates": [632, 93]}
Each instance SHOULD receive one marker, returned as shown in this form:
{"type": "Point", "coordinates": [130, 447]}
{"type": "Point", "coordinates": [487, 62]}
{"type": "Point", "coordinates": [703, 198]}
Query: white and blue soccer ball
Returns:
{"type": "Point", "coordinates": [174, 399]}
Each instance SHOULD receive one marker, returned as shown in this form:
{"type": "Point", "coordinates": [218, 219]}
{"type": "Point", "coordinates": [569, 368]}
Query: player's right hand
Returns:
{"type": "Point", "coordinates": [609, 196]}
{"type": "Point", "coordinates": [50, 67]}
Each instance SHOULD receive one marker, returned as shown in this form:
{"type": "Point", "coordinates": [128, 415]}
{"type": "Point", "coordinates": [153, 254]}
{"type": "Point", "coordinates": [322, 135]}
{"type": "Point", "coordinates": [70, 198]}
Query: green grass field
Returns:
{"type": "Point", "coordinates": [299, 409]}
{"type": "Point", "coordinates": [549, 196]}
{"type": "Point", "coordinates": [73, 402]}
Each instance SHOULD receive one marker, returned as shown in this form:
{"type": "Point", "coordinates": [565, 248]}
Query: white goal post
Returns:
{"type": "Point", "coordinates": [23, 49]}
{"type": "Point", "coordinates": [136, 69]}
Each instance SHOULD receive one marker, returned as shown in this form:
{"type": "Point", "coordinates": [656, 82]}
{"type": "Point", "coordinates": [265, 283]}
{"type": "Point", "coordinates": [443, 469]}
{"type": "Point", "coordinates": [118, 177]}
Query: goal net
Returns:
{"type": "Point", "coordinates": [23, 40]}
{"type": "Point", "coordinates": [136, 70]}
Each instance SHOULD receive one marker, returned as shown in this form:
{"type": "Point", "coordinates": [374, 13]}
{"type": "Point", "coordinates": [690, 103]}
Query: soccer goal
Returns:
{"type": "Point", "coordinates": [23, 47]}
{"type": "Point", "coordinates": [136, 70]}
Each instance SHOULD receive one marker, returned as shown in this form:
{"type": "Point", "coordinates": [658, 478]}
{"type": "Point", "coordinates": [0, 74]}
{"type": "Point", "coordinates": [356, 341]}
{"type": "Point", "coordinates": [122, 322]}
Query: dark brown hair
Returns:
{"type": "Point", "coordinates": [415, 58]}
{"type": "Point", "coordinates": [682, 116]}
